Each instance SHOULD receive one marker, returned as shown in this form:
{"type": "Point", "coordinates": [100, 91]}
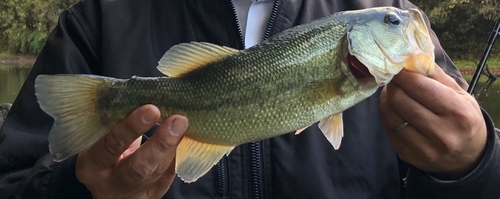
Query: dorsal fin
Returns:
{"type": "Point", "coordinates": [186, 57]}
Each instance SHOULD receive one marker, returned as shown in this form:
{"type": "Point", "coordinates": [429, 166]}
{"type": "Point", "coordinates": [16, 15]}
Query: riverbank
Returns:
{"type": "Point", "coordinates": [471, 71]}
{"type": "Point", "coordinates": [25, 60]}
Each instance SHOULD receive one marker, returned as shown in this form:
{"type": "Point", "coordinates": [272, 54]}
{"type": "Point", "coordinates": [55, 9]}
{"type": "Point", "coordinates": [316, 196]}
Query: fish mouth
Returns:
{"type": "Point", "coordinates": [358, 69]}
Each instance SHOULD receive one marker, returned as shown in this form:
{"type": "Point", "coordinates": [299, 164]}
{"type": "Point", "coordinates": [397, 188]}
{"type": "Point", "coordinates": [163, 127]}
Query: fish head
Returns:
{"type": "Point", "coordinates": [385, 40]}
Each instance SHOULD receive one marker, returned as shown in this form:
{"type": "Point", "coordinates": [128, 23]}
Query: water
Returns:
{"type": "Point", "coordinates": [12, 78]}
{"type": "Point", "coordinates": [489, 98]}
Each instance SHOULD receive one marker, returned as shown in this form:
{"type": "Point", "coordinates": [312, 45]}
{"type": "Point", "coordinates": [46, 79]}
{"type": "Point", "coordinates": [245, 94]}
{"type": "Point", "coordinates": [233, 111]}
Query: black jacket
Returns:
{"type": "Point", "coordinates": [122, 38]}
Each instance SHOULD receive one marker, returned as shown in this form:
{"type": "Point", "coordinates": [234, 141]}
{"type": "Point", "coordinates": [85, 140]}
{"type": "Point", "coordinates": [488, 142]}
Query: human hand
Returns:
{"type": "Point", "coordinates": [117, 166]}
{"type": "Point", "coordinates": [446, 131]}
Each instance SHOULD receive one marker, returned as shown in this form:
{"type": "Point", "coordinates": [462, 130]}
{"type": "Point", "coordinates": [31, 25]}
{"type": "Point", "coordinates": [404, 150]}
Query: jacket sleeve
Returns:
{"type": "Point", "coordinates": [482, 182]}
{"type": "Point", "coordinates": [26, 169]}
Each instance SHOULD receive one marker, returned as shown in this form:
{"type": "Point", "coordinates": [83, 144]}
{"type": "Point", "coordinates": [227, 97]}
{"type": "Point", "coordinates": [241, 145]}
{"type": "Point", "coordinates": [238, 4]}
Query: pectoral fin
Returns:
{"type": "Point", "coordinates": [300, 130]}
{"type": "Point", "coordinates": [194, 158]}
{"type": "Point", "coordinates": [333, 129]}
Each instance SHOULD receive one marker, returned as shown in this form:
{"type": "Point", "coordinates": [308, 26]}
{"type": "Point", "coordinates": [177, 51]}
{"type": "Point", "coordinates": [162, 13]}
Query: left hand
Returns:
{"type": "Point", "coordinates": [446, 132]}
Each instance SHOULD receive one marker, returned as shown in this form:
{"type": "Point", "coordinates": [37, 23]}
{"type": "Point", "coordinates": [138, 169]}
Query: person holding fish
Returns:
{"type": "Point", "coordinates": [246, 99]}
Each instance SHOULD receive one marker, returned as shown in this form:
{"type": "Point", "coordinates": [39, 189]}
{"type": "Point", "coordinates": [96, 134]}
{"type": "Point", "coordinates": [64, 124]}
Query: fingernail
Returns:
{"type": "Point", "coordinates": [178, 125]}
{"type": "Point", "coordinates": [148, 116]}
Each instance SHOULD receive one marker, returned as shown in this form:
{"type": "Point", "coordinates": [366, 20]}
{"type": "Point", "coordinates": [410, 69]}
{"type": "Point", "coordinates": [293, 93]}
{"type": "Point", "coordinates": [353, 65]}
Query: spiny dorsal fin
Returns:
{"type": "Point", "coordinates": [194, 158]}
{"type": "Point", "coordinates": [333, 129]}
{"type": "Point", "coordinates": [186, 57]}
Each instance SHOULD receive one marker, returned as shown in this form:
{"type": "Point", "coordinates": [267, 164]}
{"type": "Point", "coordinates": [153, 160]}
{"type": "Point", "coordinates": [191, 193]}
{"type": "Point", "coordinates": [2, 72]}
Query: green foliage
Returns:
{"type": "Point", "coordinates": [25, 24]}
{"type": "Point", "coordinates": [492, 63]}
{"type": "Point", "coordinates": [463, 26]}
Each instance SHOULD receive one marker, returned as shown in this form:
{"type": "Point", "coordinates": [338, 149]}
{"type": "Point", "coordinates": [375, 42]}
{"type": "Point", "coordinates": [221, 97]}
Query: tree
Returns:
{"type": "Point", "coordinates": [462, 26]}
{"type": "Point", "coordinates": [25, 24]}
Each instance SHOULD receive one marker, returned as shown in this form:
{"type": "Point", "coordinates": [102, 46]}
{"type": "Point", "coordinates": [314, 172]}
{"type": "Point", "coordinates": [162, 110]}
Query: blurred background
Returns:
{"type": "Point", "coordinates": [463, 27]}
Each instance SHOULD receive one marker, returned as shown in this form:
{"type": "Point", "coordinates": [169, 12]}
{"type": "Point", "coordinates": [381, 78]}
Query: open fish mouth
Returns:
{"type": "Point", "coordinates": [358, 69]}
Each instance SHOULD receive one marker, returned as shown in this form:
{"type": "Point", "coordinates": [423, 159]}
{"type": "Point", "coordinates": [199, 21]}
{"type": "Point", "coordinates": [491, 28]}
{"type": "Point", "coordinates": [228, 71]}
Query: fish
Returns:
{"type": "Point", "coordinates": [306, 75]}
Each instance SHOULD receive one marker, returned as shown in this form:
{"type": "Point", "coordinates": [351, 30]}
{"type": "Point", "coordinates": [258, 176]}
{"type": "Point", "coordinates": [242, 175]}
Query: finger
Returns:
{"type": "Point", "coordinates": [409, 109]}
{"type": "Point", "coordinates": [430, 93]}
{"type": "Point", "coordinates": [153, 158]}
{"type": "Point", "coordinates": [422, 120]}
{"type": "Point", "coordinates": [445, 79]}
{"type": "Point", "coordinates": [163, 184]}
{"type": "Point", "coordinates": [130, 150]}
{"type": "Point", "coordinates": [109, 148]}
{"type": "Point", "coordinates": [410, 145]}
{"type": "Point", "coordinates": [408, 141]}
{"type": "Point", "coordinates": [390, 117]}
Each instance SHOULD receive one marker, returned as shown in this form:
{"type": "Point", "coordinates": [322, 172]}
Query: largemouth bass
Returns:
{"type": "Point", "coordinates": [303, 75]}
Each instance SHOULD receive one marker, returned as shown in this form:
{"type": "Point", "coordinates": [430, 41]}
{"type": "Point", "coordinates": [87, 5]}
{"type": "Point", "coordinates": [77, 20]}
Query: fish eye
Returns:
{"type": "Point", "coordinates": [392, 18]}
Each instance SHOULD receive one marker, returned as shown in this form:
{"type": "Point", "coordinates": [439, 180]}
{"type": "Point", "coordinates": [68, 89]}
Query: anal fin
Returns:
{"type": "Point", "coordinates": [194, 158]}
{"type": "Point", "coordinates": [333, 129]}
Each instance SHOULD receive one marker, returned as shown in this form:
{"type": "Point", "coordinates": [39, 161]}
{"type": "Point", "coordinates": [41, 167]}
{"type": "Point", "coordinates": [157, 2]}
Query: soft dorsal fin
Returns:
{"type": "Point", "coordinates": [185, 57]}
{"type": "Point", "coordinates": [333, 129]}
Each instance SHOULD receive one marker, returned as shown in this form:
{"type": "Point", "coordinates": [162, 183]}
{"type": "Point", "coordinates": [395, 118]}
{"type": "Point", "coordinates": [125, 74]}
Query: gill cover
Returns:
{"type": "Point", "coordinates": [387, 40]}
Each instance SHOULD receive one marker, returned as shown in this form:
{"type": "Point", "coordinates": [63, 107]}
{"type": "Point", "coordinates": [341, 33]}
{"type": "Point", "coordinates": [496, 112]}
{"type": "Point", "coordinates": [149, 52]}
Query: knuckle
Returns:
{"type": "Point", "coordinates": [113, 145]}
{"type": "Point", "coordinates": [450, 146]}
{"type": "Point", "coordinates": [140, 171]}
{"type": "Point", "coordinates": [170, 171]}
{"type": "Point", "coordinates": [134, 128]}
{"type": "Point", "coordinates": [414, 116]}
{"type": "Point", "coordinates": [164, 146]}
{"type": "Point", "coordinates": [160, 170]}
{"type": "Point", "coordinates": [463, 120]}
{"type": "Point", "coordinates": [432, 158]}
{"type": "Point", "coordinates": [447, 147]}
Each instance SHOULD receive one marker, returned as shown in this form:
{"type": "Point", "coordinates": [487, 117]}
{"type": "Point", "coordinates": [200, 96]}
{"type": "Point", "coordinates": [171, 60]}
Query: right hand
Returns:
{"type": "Point", "coordinates": [118, 166]}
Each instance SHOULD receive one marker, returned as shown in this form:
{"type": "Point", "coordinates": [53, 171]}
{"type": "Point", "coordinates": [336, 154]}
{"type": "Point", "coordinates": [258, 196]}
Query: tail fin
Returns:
{"type": "Point", "coordinates": [71, 100]}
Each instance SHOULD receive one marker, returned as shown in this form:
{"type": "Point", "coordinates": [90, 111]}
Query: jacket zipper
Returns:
{"type": "Point", "coordinates": [256, 162]}
{"type": "Point", "coordinates": [272, 19]}
{"type": "Point", "coordinates": [242, 42]}
{"type": "Point", "coordinates": [256, 148]}
{"type": "Point", "coordinates": [221, 180]}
